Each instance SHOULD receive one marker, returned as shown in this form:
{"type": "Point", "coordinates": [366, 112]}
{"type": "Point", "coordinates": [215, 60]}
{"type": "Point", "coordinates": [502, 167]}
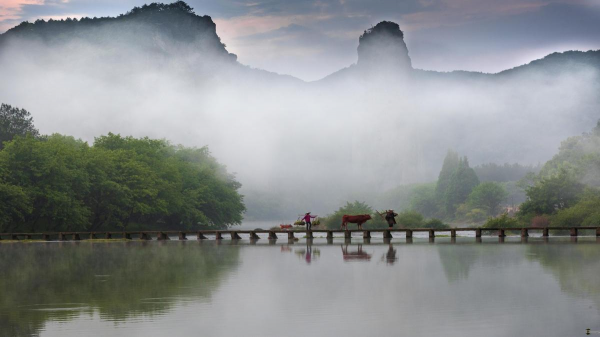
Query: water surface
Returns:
{"type": "Point", "coordinates": [239, 288]}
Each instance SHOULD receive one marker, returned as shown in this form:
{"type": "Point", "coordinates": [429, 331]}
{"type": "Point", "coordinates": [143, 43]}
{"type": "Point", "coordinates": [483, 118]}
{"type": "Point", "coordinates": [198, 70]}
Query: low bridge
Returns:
{"type": "Point", "coordinates": [274, 234]}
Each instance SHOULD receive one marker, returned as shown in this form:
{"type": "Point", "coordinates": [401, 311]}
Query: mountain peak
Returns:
{"type": "Point", "coordinates": [383, 47]}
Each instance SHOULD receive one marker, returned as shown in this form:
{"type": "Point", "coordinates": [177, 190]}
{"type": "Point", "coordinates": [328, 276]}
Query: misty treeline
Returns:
{"type": "Point", "coordinates": [59, 183]}
{"type": "Point", "coordinates": [566, 191]}
{"type": "Point", "coordinates": [459, 194]}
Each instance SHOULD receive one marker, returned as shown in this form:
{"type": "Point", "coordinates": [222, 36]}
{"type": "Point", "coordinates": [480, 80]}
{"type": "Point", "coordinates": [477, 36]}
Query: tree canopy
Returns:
{"type": "Point", "coordinates": [59, 183]}
{"type": "Point", "coordinates": [15, 122]}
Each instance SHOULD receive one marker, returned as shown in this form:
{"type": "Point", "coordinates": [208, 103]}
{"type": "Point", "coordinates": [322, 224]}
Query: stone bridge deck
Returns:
{"type": "Point", "coordinates": [273, 234]}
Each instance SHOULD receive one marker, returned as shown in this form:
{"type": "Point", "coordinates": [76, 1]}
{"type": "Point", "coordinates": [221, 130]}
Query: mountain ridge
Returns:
{"type": "Point", "coordinates": [178, 23]}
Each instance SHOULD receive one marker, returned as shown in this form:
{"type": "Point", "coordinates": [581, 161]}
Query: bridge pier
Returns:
{"type": "Point", "coordinates": [573, 231]}
{"type": "Point", "coordinates": [46, 237]}
{"type": "Point", "coordinates": [366, 234]}
{"type": "Point", "coordinates": [500, 239]}
{"type": "Point", "coordinates": [272, 235]}
{"type": "Point", "coordinates": [387, 234]}
{"type": "Point", "coordinates": [93, 236]}
{"type": "Point", "coordinates": [597, 232]}
{"type": "Point", "coordinates": [182, 236]}
{"type": "Point", "coordinates": [14, 237]}
{"type": "Point", "coordinates": [478, 233]}
{"type": "Point", "coordinates": [431, 234]}
{"type": "Point", "coordinates": [127, 236]}
{"type": "Point", "coordinates": [254, 236]}
{"type": "Point", "coordinates": [200, 236]}
{"type": "Point", "coordinates": [545, 232]}
{"type": "Point", "coordinates": [453, 233]}
{"type": "Point", "coordinates": [309, 235]}
{"type": "Point", "coordinates": [235, 236]}
{"type": "Point", "coordinates": [501, 233]}
{"type": "Point", "coordinates": [145, 236]}
{"type": "Point", "coordinates": [61, 237]}
{"type": "Point", "coordinates": [76, 237]}
{"type": "Point", "coordinates": [524, 232]}
{"type": "Point", "coordinates": [107, 236]}
{"type": "Point", "coordinates": [163, 236]}
{"type": "Point", "coordinates": [291, 235]}
{"type": "Point", "coordinates": [453, 239]}
{"type": "Point", "coordinates": [409, 234]}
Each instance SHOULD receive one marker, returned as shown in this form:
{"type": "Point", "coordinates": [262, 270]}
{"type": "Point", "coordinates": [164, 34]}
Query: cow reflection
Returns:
{"type": "Point", "coordinates": [358, 255]}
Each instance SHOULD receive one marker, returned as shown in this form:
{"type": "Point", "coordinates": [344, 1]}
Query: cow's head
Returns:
{"type": "Point", "coordinates": [368, 217]}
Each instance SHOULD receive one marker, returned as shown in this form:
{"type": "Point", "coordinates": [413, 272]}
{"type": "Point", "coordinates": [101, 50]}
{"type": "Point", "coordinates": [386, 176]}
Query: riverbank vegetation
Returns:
{"type": "Point", "coordinates": [59, 183]}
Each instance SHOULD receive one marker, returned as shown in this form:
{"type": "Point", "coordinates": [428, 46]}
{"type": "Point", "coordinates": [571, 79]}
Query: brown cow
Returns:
{"type": "Point", "coordinates": [357, 219]}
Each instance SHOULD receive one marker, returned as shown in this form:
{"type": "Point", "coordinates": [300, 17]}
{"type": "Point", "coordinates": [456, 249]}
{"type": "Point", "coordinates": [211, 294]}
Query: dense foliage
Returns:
{"type": "Point", "coordinates": [58, 183]}
{"type": "Point", "coordinates": [566, 191]}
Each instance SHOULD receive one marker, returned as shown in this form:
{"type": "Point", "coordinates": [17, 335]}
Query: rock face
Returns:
{"type": "Point", "coordinates": [382, 47]}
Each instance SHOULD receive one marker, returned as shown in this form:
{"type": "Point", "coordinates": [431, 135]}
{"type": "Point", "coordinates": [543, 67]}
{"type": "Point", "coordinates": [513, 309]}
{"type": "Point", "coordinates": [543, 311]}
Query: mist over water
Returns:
{"type": "Point", "coordinates": [367, 128]}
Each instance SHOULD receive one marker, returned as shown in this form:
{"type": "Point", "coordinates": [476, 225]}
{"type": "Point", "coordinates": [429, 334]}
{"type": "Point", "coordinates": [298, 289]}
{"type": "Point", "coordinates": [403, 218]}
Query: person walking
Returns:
{"type": "Point", "coordinates": [390, 217]}
{"type": "Point", "coordinates": [307, 218]}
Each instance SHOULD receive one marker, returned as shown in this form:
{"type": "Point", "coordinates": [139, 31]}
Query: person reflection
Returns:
{"type": "Point", "coordinates": [308, 255]}
{"type": "Point", "coordinates": [390, 256]}
{"type": "Point", "coordinates": [358, 255]}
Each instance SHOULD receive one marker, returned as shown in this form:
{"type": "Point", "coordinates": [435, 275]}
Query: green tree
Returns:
{"type": "Point", "coordinates": [52, 174]}
{"type": "Point", "coordinates": [487, 196]}
{"type": "Point", "coordinates": [451, 163]}
{"type": "Point", "coordinates": [334, 221]}
{"type": "Point", "coordinates": [423, 200]}
{"type": "Point", "coordinates": [503, 221]}
{"type": "Point", "coordinates": [551, 194]}
{"type": "Point", "coordinates": [410, 219]}
{"type": "Point", "coordinates": [586, 212]}
{"type": "Point", "coordinates": [461, 183]}
{"type": "Point", "coordinates": [15, 122]}
{"type": "Point", "coordinates": [14, 206]}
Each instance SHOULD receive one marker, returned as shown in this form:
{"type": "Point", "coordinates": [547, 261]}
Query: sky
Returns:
{"type": "Point", "coordinates": [311, 39]}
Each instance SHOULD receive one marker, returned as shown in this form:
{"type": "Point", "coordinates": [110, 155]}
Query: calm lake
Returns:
{"type": "Point", "coordinates": [464, 288]}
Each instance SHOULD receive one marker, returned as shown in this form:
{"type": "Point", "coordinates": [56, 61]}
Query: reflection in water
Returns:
{"type": "Point", "coordinates": [183, 289]}
{"type": "Point", "coordinates": [390, 256]}
{"type": "Point", "coordinates": [119, 281]}
{"type": "Point", "coordinates": [358, 255]}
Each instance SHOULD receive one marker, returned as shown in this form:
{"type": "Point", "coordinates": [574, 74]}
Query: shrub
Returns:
{"type": "Point", "coordinates": [540, 221]}
{"type": "Point", "coordinates": [410, 219]}
{"type": "Point", "coordinates": [503, 221]}
{"type": "Point", "coordinates": [435, 224]}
